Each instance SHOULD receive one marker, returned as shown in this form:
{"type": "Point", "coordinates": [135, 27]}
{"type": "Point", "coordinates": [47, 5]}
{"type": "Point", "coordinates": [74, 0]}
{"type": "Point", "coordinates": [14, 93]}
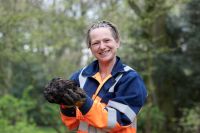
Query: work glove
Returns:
{"type": "Point", "coordinates": [64, 92]}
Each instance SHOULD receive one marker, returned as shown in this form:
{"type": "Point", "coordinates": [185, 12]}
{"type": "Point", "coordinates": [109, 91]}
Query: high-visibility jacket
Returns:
{"type": "Point", "coordinates": [111, 105]}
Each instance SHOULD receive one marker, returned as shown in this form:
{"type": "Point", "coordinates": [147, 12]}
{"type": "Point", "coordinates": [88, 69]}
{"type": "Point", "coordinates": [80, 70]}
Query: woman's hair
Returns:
{"type": "Point", "coordinates": [100, 24]}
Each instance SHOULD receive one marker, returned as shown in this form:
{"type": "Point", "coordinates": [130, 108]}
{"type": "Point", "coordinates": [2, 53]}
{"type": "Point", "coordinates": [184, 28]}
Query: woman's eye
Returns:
{"type": "Point", "coordinates": [94, 43]}
{"type": "Point", "coordinates": [107, 40]}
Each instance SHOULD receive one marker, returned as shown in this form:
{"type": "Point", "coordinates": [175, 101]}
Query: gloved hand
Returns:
{"type": "Point", "coordinates": [64, 92]}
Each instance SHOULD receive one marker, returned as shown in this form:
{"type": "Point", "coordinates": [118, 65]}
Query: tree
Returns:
{"type": "Point", "coordinates": [37, 43]}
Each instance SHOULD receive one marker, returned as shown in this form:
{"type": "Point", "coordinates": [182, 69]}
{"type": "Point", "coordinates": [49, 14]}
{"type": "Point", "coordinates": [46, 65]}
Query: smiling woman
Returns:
{"type": "Point", "coordinates": [113, 90]}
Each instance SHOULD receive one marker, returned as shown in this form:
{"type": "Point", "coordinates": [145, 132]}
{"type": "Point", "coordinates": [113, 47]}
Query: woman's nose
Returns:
{"type": "Point", "coordinates": [102, 45]}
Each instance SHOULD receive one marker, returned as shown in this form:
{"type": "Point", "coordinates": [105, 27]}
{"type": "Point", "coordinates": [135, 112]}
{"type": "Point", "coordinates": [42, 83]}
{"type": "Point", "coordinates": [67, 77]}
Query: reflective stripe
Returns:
{"type": "Point", "coordinates": [83, 126]}
{"type": "Point", "coordinates": [100, 131]}
{"type": "Point", "coordinates": [112, 117]}
{"type": "Point", "coordinates": [127, 68]}
{"type": "Point", "coordinates": [95, 130]}
{"type": "Point", "coordinates": [123, 108]}
{"type": "Point", "coordinates": [134, 123]}
{"type": "Point", "coordinates": [91, 129]}
{"type": "Point", "coordinates": [82, 79]}
{"type": "Point", "coordinates": [117, 79]}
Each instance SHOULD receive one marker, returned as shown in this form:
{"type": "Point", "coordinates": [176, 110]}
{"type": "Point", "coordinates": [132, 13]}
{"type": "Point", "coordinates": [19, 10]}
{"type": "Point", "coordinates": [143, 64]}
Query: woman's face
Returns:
{"type": "Point", "coordinates": [103, 45]}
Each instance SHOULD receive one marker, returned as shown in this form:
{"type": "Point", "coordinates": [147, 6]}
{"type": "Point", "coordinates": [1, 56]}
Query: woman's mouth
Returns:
{"type": "Point", "coordinates": [104, 53]}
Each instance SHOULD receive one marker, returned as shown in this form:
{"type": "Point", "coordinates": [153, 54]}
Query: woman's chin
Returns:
{"type": "Point", "coordinates": [105, 60]}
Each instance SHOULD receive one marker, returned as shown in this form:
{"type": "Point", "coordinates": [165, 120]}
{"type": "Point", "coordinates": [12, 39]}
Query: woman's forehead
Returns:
{"type": "Point", "coordinates": [100, 32]}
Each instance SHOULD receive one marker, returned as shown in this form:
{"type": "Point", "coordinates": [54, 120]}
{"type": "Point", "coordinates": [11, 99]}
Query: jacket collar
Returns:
{"type": "Point", "coordinates": [93, 68]}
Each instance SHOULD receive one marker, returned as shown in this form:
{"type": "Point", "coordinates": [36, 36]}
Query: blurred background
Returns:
{"type": "Point", "coordinates": [42, 39]}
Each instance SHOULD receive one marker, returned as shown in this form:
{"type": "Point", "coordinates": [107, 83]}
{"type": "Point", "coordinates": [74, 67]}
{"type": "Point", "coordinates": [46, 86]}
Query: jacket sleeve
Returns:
{"type": "Point", "coordinates": [120, 112]}
{"type": "Point", "coordinates": [68, 115]}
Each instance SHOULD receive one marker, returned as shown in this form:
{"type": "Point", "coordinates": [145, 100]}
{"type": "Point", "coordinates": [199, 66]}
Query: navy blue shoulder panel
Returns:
{"type": "Point", "coordinates": [75, 76]}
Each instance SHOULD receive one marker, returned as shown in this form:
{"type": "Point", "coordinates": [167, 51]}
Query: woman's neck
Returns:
{"type": "Point", "coordinates": [106, 68]}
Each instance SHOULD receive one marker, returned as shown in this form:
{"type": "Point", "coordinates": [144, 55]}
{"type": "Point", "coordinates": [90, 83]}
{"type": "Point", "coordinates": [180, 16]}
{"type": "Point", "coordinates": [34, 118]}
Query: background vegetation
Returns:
{"type": "Point", "coordinates": [42, 39]}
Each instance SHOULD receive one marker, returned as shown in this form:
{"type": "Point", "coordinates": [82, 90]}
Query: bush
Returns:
{"type": "Point", "coordinates": [151, 119]}
{"type": "Point", "coordinates": [190, 122]}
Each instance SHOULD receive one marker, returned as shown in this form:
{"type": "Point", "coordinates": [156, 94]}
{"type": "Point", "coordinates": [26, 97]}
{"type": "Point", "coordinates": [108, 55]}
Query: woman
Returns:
{"type": "Point", "coordinates": [115, 92]}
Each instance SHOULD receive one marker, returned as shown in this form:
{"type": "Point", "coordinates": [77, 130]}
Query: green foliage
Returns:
{"type": "Point", "coordinates": [155, 115]}
{"type": "Point", "coordinates": [14, 117]}
{"type": "Point", "coordinates": [19, 127]}
{"type": "Point", "coordinates": [9, 109]}
{"type": "Point", "coordinates": [190, 120]}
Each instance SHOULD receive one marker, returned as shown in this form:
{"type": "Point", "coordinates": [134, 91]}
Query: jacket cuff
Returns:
{"type": "Point", "coordinates": [71, 112]}
{"type": "Point", "coordinates": [86, 106]}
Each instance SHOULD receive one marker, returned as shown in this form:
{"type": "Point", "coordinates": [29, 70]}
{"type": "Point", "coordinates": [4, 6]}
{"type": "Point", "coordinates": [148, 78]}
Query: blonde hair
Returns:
{"type": "Point", "coordinates": [99, 24]}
